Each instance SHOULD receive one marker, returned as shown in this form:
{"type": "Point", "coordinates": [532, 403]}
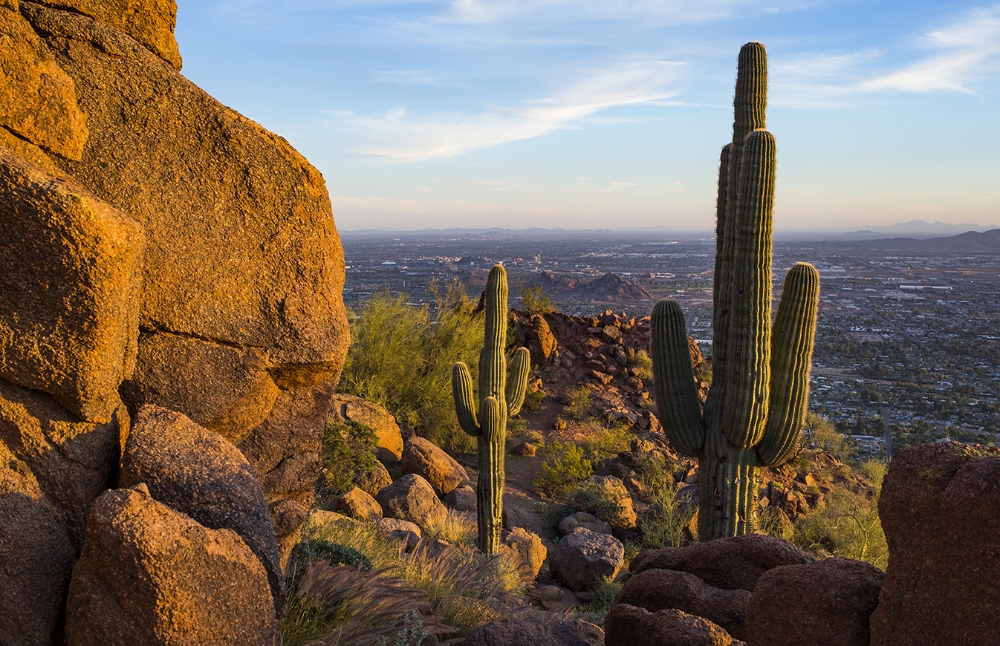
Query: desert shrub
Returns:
{"type": "Point", "coordinates": [563, 468]}
{"type": "Point", "coordinates": [602, 597]}
{"type": "Point", "coordinates": [348, 450]}
{"type": "Point", "coordinates": [604, 439]}
{"type": "Point", "coordinates": [455, 527]}
{"type": "Point", "coordinates": [772, 522]}
{"type": "Point", "coordinates": [516, 425]}
{"type": "Point", "coordinates": [461, 586]}
{"type": "Point", "coordinates": [534, 300]}
{"type": "Point", "coordinates": [402, 356]}
{"type": "Point", "coordinates": [663, 525]}
{"type": "Point", "coordinates": [590, 498]}
{"type": "Point", "coordinates": [580, 400]}
{"type": "Point", "coordinates": [411, 634]}
{"type": "Point", "coordinates": [820, 434]}
{"type": "Point", "coordinates": [310, 551]}
{"type": "Point", "coordinates": [533, 399]}
{"type": "Point", "coordinates": [848, 525]}
{"type": "Point", "coordinates": [643, 365]}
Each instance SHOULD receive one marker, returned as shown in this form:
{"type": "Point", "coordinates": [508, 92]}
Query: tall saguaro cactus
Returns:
{"type": "Point", "coordinates": [499, 398]}
{"type": "Point", "coordinates": [760, 388]}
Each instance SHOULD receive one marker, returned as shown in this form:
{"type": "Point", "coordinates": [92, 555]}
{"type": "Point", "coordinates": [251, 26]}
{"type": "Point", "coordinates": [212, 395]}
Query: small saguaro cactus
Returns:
{"type": "Point", "coordinates": [499, 398]}
{"type": "Point", "coordinates": [757, 404]}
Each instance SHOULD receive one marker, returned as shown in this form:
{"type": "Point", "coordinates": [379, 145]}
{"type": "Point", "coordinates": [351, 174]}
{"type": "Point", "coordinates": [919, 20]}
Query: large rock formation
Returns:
{"type": "Point", "coordinates": [939, 511]}
{"type": "Point", "coordinates": [161, 249]}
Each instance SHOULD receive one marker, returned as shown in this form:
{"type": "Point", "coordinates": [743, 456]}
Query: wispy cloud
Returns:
{"type": "Point", "coordinates": [962, 53]}
{"type": "Point", "coordinates": [677, 11]}
{"type": "Point", "coordinates": [400, 136]}
{"type": "Point", "coordinates": [967, 50]}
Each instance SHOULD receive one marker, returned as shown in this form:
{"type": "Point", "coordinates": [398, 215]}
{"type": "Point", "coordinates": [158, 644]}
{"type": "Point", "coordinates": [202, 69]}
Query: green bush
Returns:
{"type": "Point", "coordinates": [580, 400]}
{"type": "Point", "coordinates": [310, 551]}
{"type": "Point", "coordinates": [820, 434]}
{"type": "Point", "coordinates": [602, 597]}
{"type": "Point", "coordinates": [643, 366]}
{"type": "Point", "coordinates": [348, 450]}
{"type": "Point", "coordinates": [534, 300]}
{"type": "Point", "coordinates": [401, 357]}
{"type": "Point", "coordinates": [848, 525]}
{"type": "Point", "coordinates": [664, 524]}
{"type": "Point", "coordinates": [563, 469]}
{"type": "Point", "coordinates": [533, 400]}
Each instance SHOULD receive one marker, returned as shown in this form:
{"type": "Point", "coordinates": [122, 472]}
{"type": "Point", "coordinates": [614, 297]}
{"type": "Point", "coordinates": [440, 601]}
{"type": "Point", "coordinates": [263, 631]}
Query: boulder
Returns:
{"type": "Point", "coordinates": [151, 22]}
{"type": "Point", "coordinates": [72, 461]}
{"type": "Point", "coordinates": [583, 558]}
{"type": "Point", "coordinates": [525, 449]}
{"type": "Point", "coordinates": [528, 547]}
{"type": "Point", "coordinates": [37, 99]}
{"type": "Point", "coordinates": [412, 498]}
{"type": "Point", "coordinates": [424, 458]}
{"type": "Point", "coordinates": [152, 575]}
{"type": "Point", "coordinates": [220, 387]}
{"type": "Point", "coordinates": [657, 590]}
{"type": "Point", "coordinates": [585, 520]}
{"type": "Point", "coordinates": [198, 473]}
{"type": "Point", "coordinates": [37, 558]}
{"type": "Point", "coordinates": [220, 198]}
{"type": "Point", "coordinates": [524, 630]}
{"type": "Point", "coordinates": [399, 530]}
{"type": "Point", "coordinates": [612, 490]}
{"type": "Point", "coordinates": [348, 408]}
{"type": "Point", "coordinates": [69, 291]}
{"type": "Point", "coordinates": [462, 499]}
{"type": "Point", "coordinates": [358, 504]}
{"type": "Point", "coordinates": [827, 602]}
{"type": "Point", "coordinates": [320, 517]}
{"type": "Point", "coordinates": [375, 480]}
{"type": "Point", "coordinates": [540, 340]}
{"type": "Point", "coordinates": [938, 508]}
{"type": "Point", "coordinates": [728, 563]}
{"type": "Point", "coordinates": [627, 625]}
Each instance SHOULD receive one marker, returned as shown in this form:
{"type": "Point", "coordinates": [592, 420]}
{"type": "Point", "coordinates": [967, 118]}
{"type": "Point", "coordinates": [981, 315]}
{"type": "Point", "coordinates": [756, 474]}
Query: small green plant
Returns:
{"type": "Point", "coordinates": [411, 634]}
{"type": "Point", "coordinates": [643, 367]}
{"type": "Point", "coordinates": [563, 469]}
{"type": "Point", "coordinates": [533, 400]}
{"type": "Point", "coordinates": [581, 398]}
{"type": "Point", "coordinates": [602, 597]}
{"type": "Point", "coordinates": [348, 450]}
{"type": "Point", "coordinates": [664, 524]}
{"type": "Point", "coordinates": [820, 434]}
{"type": "Point", "coordinates": [604, 439]}
{"type": "Point", "coordinates": [516, 425]}
{"type": "Point", "coordinates": [536, 301]}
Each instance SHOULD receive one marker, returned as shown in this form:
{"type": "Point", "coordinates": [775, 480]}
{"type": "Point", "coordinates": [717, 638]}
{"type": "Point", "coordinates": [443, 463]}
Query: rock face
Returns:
{"type": "Point", "coordinates": [70, 290]}
{"type": "Point", "coordinates": [376, 480]}
{"type": "Point", "coordinates": [431, 463]}
{"type": "Point", "coordinates": [827, 602]}
{"type": "Point", "coordinates": [358, 504]}
{"type": "Point", "coordinates": [462, 499]}
{"type": "Point", "coordinates": [939, 511]}
{"type": "Point", "coordinates": [528, 547]}
{"type": "Point", "coordinates": [399, 530]}
{"type": "Point", "coordinates": [37, 558]}
{"type": "Point", "coordinates": [657, 590]}
{"type": "Point", "coordinates": [348, 408]}
{"type": "Point", "coordinates": [151, 575]}
{"type": "Point", "coordinates": [521, 631]}
{"type": "Point", "coordinates": [200, 474]}
{"type": "Point", "coordinates": [412, 498]}
{"type": "Point", "coordinates": [728, 563]}
{"type": "Point", "coordinates": [627, 625]}
{"type": "Point", "coordinates": [583, 558]}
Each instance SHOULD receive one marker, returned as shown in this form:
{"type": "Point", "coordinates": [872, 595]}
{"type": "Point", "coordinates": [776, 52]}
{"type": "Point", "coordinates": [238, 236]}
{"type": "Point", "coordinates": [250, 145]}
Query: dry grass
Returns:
{"type": "Point", "coordinates": [457, 528]}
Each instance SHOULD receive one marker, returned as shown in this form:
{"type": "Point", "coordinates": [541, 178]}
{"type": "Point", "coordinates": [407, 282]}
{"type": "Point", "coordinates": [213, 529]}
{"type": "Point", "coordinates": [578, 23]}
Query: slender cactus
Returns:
{"type": "Point", "coordinates": [757, 403]}
{"type": "Point", "coordinates": [499, 398]}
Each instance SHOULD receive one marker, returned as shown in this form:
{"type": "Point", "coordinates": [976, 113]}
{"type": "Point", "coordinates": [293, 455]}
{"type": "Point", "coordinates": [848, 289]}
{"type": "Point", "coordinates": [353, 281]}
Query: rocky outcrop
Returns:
{"type": "Point", "coordinates": [200, 474]}
{"type": "Point", "coordinates": [151, 575]}
{"type": "Point", "coordinates": [627, 625]}
{"type": "Point", "coordinates": [728, 563]}
{"type": "Point", "coordinates": [657, 590]}
{"type": "Point", "coordinates": [348, 408]}
{"type": "Point", "coordinates": [37, 558]}
{"type": "Point", "coordinates": [528, 547]}
{"type": "Point", "coordinates": [939, 511]}
{"type": "Point", "coordinates": [583, 558]}
{"type": "Point", "coordinates": [412, 498]}
{"type": "Point", "coordinates": [520, 631]}
{"type": "Point", "coordinates": [69, 290]}
{"type": "Point", "coordinates": [827, 602]}
{"type": "Point", "coordinates": [431, 463]}
{"type": "Point", "coordinates": [374, 481]}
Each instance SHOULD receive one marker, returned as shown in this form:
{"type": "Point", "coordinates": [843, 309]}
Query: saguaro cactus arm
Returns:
{"type": "Point", "coordinates": [517, 382]}
{"type": "Point", "coordinates": [791, 357]}
{"type": "Point", "coordinates": [676, 397]}
{"type": "Point", "coordinates": [465, 399]}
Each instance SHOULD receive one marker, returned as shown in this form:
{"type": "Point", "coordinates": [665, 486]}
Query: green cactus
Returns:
{"type": "Point", "coordinates": [499, 398]}
{"type": "Point", "coordinates": [757, 403]}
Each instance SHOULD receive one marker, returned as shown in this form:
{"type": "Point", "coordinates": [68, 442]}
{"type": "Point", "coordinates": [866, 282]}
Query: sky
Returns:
{"type": "Point", "coordinates": [610, 114]}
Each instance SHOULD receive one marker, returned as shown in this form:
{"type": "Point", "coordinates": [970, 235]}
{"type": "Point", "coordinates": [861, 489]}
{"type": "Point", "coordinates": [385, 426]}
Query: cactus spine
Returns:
{"type": "Point", "coordinates": [499, 398]}
{"type": "Point", "coordinates": [757, 403]}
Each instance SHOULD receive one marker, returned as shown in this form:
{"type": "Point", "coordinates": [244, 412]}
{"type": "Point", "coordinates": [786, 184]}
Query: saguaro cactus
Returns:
{"type": "Point", "coordinates": [760, 389]}
{"type": "Point", "coordinates": [499, 398]}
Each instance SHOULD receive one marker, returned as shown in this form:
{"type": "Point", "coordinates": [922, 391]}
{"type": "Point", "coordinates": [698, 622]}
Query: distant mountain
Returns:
{"type": "Point", "coordinates": [608, 288]}
{"type": "Point", "coordinates": [969, 242]}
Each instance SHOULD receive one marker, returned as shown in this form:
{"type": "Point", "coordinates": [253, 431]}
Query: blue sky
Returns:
{"type": "Point", "coordinates": [612, 113]}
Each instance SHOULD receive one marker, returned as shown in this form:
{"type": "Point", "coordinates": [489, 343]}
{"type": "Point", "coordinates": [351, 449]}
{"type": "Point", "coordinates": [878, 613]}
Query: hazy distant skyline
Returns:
{"type": "Point", "coordinates": [606, 114]}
